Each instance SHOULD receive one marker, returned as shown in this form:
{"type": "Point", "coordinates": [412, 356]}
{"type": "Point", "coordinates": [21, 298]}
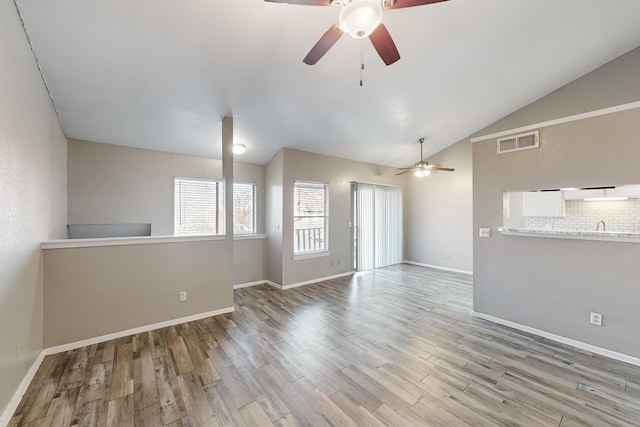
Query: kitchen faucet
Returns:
{"type": "Point", "coordinates": [604, 227]}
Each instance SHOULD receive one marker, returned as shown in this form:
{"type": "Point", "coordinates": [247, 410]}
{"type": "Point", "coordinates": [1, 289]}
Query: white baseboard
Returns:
{"type": "Point", "coordinates": [249, 284]}
{"type": "Point", "coordinates": [96, 340]}
{"type": "Point", "coordinates": [437, 267]}
{"type": "Point", "coordinates": [321, 279]}
{"type": "Point", "coordinates": [7, 414]}
{"type": "Point", "coordinates": [563, 340]}
{"type": "Point", "coordinates": [273, 284]}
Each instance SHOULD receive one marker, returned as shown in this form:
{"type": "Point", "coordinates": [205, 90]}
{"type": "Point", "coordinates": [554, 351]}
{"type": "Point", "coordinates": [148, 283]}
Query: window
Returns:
{"type": "Point", "coordinates": [199, 207]}
{"type": "Point", "coordinates": [310, 217]}
{"type": "Point", "coordinates": [244, 202]}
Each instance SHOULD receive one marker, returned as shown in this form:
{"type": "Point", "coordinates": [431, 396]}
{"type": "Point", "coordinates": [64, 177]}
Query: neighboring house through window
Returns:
{"type": "Point", "coordinates": [310, 217]}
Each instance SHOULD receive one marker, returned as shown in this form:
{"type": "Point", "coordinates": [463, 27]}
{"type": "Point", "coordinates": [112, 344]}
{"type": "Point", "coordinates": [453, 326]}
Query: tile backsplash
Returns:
{"type": "Point", "coordinates": [622, 216]}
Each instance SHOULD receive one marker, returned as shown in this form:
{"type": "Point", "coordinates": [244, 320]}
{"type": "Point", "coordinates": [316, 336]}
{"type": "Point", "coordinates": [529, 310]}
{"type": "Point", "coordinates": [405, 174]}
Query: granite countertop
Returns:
{"type": "Point", "coordinates": [614, 236]}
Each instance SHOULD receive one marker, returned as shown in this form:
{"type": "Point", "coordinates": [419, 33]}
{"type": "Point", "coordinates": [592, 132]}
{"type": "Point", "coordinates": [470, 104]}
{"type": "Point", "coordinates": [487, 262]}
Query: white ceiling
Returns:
{"type": "Point", "coordinates": [160, 74]}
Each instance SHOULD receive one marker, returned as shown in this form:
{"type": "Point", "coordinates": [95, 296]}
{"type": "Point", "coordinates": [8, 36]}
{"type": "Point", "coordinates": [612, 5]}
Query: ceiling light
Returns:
{"type": "Point", "coordinates": [360, 18]}
{"type": "Point", "coordinates": [239, 149]}
{"type": "Point", "coordinates": [419, 173]}
{"type": "Point", "coordinates": [426, 172]}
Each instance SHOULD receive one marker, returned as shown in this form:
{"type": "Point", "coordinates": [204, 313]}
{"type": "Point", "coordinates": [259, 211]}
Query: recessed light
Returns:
{"type": "Point", "coordinates": [239, 149]}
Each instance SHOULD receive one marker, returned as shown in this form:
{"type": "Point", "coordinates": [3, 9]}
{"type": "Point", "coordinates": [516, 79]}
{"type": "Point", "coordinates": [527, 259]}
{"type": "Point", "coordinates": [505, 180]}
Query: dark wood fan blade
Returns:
{"type": "Point", "coordinates": [304, 2]}
{"type": "Point", "coordinates": [397, 4]}
{"type": "Point", "coordinates": [404, 169]}
{"type": "Point", "coordinates": [402, 173]}
{"type": "Point", "coordinates": [438, 168]}
{"type": "Point", "coordinates": [323, 45]}
{"type": "Point", "coordinates": [384, 44]}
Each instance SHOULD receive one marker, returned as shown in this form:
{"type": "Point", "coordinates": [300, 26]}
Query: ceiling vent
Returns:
{"type": "Point", "coordinates": [523, 141]}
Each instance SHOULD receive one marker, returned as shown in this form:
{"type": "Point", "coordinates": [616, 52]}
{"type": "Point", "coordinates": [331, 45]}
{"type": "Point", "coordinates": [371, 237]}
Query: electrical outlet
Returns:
{"type": "Point", "coordinates": [484, 232]}
{"type": "Point", "coordinates": [595, 319]}
{"type": "Point", "coordinates": [183, 295]}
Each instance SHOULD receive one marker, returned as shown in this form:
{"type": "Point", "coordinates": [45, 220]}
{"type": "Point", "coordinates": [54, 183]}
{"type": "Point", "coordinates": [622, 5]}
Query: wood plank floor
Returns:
{"type": "Point", "coordinates": [396, 346]}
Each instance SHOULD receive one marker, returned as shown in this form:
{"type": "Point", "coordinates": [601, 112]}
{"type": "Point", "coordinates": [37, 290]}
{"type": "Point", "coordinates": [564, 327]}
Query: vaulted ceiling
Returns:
{"type": "Point", "coordinates": [160, 74]}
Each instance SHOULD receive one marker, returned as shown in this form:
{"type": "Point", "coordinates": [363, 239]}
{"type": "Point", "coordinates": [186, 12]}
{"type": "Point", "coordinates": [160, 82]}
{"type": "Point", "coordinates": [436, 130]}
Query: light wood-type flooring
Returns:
{"type": "Point", "coordinates": [396, 346]}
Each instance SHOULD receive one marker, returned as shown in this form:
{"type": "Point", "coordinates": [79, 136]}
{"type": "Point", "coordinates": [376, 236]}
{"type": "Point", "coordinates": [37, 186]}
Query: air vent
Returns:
{"type": "Point", "coordinates": [524, 141]}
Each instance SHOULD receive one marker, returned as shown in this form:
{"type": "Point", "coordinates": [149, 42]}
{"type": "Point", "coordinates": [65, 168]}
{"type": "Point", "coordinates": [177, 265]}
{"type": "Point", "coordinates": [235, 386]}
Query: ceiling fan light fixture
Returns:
{"type": "Point", "coordinates": [360, 18]}
{"type": "Point", "coordinates": [419, 173]}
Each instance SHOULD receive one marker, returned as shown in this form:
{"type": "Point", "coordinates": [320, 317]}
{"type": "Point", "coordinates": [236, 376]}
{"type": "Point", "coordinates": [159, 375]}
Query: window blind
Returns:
{"type": "Point", "coordinates": [310, 217]}
{"type": "Point", "coordinates": [199, 207]}
{"type": "Point", "coordinates": [244, 200]}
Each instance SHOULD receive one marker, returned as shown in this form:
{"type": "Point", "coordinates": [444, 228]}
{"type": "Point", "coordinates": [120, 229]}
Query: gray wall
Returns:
{"type": "Point", "coordinates": [338, 173]}
{"type": "Point", "coordinates": [273, 221]}
{"type": "Point", "coordinates": [115, 288]}
{"type": "Point", "coordinates": [438, 212]}
{"type": "Point", "coordinates": [33, 200]}
{"type": "Point", "coordinates": [553, 284]}
{"type": "Point", "coordinates": [113, 184]}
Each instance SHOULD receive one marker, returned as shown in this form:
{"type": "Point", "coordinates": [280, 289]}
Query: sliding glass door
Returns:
{"type": "Point", "coordinates": [377, 219]}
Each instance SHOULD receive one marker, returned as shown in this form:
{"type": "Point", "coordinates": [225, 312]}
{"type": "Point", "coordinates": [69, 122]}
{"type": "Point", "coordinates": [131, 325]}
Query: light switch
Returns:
{"type": "Point", "coordinates": [485, 232]}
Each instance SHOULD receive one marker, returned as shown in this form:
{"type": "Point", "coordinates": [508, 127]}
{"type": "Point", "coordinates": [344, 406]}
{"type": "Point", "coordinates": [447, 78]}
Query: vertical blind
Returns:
{"type": "Point", "coordinates": [310, 218]}
{"type": "Point", "coordinates": [378, 220]}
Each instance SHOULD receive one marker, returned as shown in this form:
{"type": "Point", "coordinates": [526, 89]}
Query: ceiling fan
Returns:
{"type": "Point", "coordinates": [359, 18]}
{"type": "Point", "coordinates": [423, 168]}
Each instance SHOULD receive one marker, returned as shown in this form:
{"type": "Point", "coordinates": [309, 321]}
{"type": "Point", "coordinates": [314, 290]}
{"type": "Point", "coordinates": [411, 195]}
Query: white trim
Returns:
{"type": "Point", "coordinates": [563, 340]}
{"type": "Point", "coordinates": [249, 236]}
{"type": "Point", "coordinates": [309, 255]}
{"type": "Point", "coordinates": [321, 279]}
{"type": "Point", "coordinates": [96, 340]}
{"type": "Point", "coordinates": [124, 241]}
{"type": "Point", "coordinates": [249, 284]}
{"type": "Point", "coordinates": [22, 389]}
{"type": "Point", "coordinates": [437, 267]}
{"type": "Point", "coordinates": [273, 284]}
{"type": "Point", "coordinates": [567, 119]}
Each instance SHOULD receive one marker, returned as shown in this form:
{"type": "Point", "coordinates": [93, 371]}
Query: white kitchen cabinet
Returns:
{"type": "Point", "coordinates": [543, 203]}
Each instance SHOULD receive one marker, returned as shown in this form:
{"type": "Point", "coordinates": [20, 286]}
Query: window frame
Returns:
{"type": "Point", "coordinates": [220, 217]}
{"type": "Point", "coordinates": [219, 226]}
{"type": "Point", "coordinates": [254, 229]}
{"type": "Point", "coordinates": [315, 252]}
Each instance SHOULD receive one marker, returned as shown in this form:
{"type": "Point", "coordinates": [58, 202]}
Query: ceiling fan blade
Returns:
{"type": "Point", "coordinates": [403, 169]}
{"type": "Point", "coordinates": [397, 4]}
{"type": "Point", "coordinates": [439, 168]}
{"type": "Point", "coordinates": [402, 173]}
{"type": "Point", "coordinates": [384, 44]}
{"type": "Point", "coordinates": [323, 45]}
{"type": "Point", "coordinates": [304, 2]}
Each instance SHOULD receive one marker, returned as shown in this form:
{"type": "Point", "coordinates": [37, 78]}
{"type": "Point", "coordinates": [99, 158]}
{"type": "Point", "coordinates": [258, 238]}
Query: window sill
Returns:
{"type": "Point", "coordinates": [249, 236]}
{"type": "Point", "coordinates": [308, 255]}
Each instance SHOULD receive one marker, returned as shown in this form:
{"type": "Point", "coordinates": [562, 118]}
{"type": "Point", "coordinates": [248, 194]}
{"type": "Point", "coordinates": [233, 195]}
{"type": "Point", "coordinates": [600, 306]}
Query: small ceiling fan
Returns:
{"type": "Point", "coordinates": [423, 168]}
{"type": "Point", "coordinates": [359, 18]}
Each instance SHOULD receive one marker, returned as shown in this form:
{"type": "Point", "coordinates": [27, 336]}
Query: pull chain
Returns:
{"type": "Point", "coordinates": [361, 63]}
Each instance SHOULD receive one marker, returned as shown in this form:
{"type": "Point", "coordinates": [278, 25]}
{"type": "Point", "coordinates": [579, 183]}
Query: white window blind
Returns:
{"type": "Point", "coordinates": [310, 217]}
{"type": "Point", "coordinates": [244, 202]}
{"type": "Point", "coordinates": [199, 206]}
